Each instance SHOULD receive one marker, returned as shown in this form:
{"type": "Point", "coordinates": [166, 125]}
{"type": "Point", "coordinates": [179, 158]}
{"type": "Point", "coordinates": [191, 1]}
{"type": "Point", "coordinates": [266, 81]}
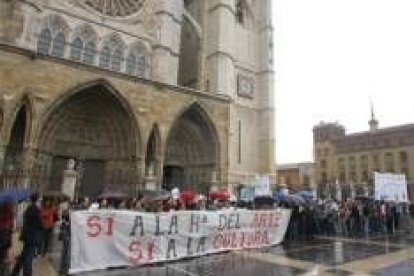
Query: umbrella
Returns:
{"type": "Point", "coordinates": [14, 195]}
{"type": "Point", "coordinates": [305, 194]}
{"type": "Point", "coordinates": [264, 200]}
{"type": "Point", "coordinates": [289, 198]}
{"type": "Point", "coordinates": [60, 196]}
{"type": "Point", "coordinates": [112, 195]}
{"type": "Point", "coordinates": [155, 194]}
{"type": "Point", "coordinates": [220, 195]}
{"type": "Point", "coordinates": [187, 195]}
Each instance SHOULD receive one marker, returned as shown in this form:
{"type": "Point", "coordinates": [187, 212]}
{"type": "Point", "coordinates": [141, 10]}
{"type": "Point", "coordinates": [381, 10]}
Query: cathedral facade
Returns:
{"type": "Point", "coordinates": [176, 91]}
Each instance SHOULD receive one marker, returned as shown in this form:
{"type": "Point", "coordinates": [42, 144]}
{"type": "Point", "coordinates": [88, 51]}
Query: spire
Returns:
{"type": "Point", "coordinates": [373, 123]}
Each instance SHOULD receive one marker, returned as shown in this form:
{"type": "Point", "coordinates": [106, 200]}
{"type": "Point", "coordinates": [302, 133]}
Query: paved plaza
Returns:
{"type": "Point", "coordinates": [321, 256]}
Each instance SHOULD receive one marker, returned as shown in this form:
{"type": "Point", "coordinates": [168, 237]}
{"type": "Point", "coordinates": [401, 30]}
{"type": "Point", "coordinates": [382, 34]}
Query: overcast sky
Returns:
{"type": "Point", "coordinates": [332, 57]}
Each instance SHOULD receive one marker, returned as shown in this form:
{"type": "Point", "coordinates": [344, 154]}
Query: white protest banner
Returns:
{"type": "Point", "coordinates": [390, 186]}
{"type": "Point", "coordinates": [117, 238]}
{"type": "Point", "coordinates": [262, 186]}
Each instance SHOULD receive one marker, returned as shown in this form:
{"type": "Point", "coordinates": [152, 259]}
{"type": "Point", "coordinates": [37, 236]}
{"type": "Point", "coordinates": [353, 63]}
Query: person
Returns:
{"type": "Point", "coordinates": [32, 229]}
{"type": "Point", "coordinates": [64, 236]}
{"type": "Point", "coordinates": [6, 230]}
{"type": "Point", "coordinates": [49, 217]}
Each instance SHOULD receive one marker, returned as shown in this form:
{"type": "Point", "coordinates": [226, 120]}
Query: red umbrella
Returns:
{"type": "Point", "coordinates": [187, 195]}
{"type": "Point", "coordinates": [220, 195]}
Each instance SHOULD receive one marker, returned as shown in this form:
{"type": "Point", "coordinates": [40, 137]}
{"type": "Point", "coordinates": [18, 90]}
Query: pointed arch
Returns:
{"type": "Point", "coordinates": [192, 152]}
{"type": "Point", "coordinates": [95, 125]}
{"type": "Point", "coordinates": [18, 135]}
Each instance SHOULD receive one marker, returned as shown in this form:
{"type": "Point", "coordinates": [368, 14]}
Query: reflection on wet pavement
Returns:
{"type": "Point", "coordinates": [323, 256]}
{"type": "Point", "coordinates": [402, 268]}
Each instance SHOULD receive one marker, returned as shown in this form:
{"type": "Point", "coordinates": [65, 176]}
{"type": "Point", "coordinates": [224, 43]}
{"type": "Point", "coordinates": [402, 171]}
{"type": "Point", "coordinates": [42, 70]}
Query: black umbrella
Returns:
{"type": "Point", "coordinates": [56, 195]}
{"type": "Point", "coordinates": [155, 194]}
{"type": "Point", "coordinates": [113, 195]}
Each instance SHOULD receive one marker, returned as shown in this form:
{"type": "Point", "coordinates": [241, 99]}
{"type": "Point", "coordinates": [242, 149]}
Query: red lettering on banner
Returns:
{"type": "Point", "coordinates": [136, 252]}
{"type": "Point", "coordinates": [141, 254]}
{"type": "Point", "coordinates": [242, 239]}
{"type": "Point", "coordinates": [262, 220]}
{"type": "Point", "coordinates": [265, 239]}
{"type": "Point", "coordinates": [110, 226]}
{"type": "Point", "coordinates": [218, 241]}
{"type": "Point", "coordinates": [226, 240]}
{"type": "Point", "coordinates": [151, 250]}
{"type": "Point", "coordinates": [94, 225]}
{"type": "Point", "coordinates": [277, 218]}
{"type": "Point", "coordinates": [271, 216]}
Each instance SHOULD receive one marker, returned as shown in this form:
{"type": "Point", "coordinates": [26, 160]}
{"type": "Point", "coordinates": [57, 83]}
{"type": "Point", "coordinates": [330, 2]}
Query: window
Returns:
{"type": "Point", "coordinates": [389, 162]}
{"type": "Point", "coordinates": [141, 66]}
{"type": "Point", "coordinates": [341, 163]}
{"type": "Point", "coordinates": [131, 64]}
{"type": "Point", "coordinates": [240, 11]}
{"type": "Point", "coordinates": [342, 177]}
{"type": "Point", "coordinates": [406, 171]}
{"type": "Point", "coordinates": [324, 178]}
{"type": "Point", "coordinates": [105, 57]}
{"type": "Point", "coordinates": [352, 164]}
{"type": "Point", "coordinates": [323, 164]}
{"type": "Point", "coordinates": [89, 53]}
{"type": "Point", "coordinates": [376, 163]}
{"type": "Point", "coordinates": [76, 49]}
{"type": "Point", "coordinates": [116, 60]}
{"type": "Point", "coordinates": [239, 146]}
{"type": "Point", "coordinates": [364, 161]}
{"type": "Point", "coordinates": [58, 45]}
{"type": "Point", "coordinates": [43, 44]}
{"type": "Point", "coordinates": [403, 157]}
{"type": "Point", "coordinates": [306, 180]}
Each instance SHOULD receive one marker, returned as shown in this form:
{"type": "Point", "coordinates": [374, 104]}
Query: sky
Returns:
{"type": "Point", "coordinates": [332, 58]}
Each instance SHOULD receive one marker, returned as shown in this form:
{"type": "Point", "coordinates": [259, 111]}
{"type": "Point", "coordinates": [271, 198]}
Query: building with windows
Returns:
{"type": "Point", "coordinates": [348, 161]}
{"type": "Point", "coordinates": [179, 92]}
{"type": "Point", "coordinates": [296, 176]}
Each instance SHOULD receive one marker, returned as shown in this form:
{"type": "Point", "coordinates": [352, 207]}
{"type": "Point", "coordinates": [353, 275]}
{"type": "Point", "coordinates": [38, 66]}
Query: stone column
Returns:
{"type": "Point", "coordinates": [166, 50]}
{"type": "Point", "coordinates": [265, 91]}
{"type": "Point", "coordinates": [140, 165]}
{"type": "Point", "coordinates": [220, 60]}
{"type": "Point", "coordinates": [28, 160]}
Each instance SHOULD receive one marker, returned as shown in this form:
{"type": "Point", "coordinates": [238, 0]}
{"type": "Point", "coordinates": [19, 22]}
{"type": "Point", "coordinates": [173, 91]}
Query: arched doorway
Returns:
{"type": "Point", "coordinates": [95, 127]}
{"type": "Point", "coordinates": [13, 167]}
{"type": "Point", "coordinates": [191, 156]}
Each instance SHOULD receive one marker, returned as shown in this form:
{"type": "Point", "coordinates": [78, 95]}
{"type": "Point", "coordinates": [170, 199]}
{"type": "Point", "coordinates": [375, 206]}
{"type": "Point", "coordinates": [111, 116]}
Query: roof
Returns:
{"type": "Point", "coordinates": [395, 136]}
{"type": "Point", "coordinates": [292, 166]}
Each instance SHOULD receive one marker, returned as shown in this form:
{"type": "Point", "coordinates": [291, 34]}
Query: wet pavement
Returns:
{"type": "Point", "coordinates": [321, 256]}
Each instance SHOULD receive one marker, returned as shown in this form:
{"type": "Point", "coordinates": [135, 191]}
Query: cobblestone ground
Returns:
{"type": "Point", "coordinates": [322, 256]}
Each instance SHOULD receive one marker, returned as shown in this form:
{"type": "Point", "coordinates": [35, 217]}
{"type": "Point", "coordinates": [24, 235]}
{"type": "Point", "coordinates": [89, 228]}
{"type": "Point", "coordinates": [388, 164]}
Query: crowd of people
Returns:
{"type": "Point", "coordinates": [36, 234]}
{"type": "Point", "coordinates": [349, 218]}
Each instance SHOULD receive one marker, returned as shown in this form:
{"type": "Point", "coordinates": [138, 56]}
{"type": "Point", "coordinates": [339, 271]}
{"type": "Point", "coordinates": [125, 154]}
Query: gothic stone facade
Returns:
{"type": "Point", "coordinates": [180, 91]}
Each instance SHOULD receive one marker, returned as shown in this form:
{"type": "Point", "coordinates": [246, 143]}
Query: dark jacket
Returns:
{"type": "Point", "coordinates": [32, 225]}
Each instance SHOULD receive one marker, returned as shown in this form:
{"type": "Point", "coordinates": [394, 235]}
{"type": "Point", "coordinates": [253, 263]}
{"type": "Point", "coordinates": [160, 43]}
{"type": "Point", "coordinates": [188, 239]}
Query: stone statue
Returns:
{"type": "Point", "coordinates": [71, 164]}
{"type": "Point", "coordinates": [151, 169]}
